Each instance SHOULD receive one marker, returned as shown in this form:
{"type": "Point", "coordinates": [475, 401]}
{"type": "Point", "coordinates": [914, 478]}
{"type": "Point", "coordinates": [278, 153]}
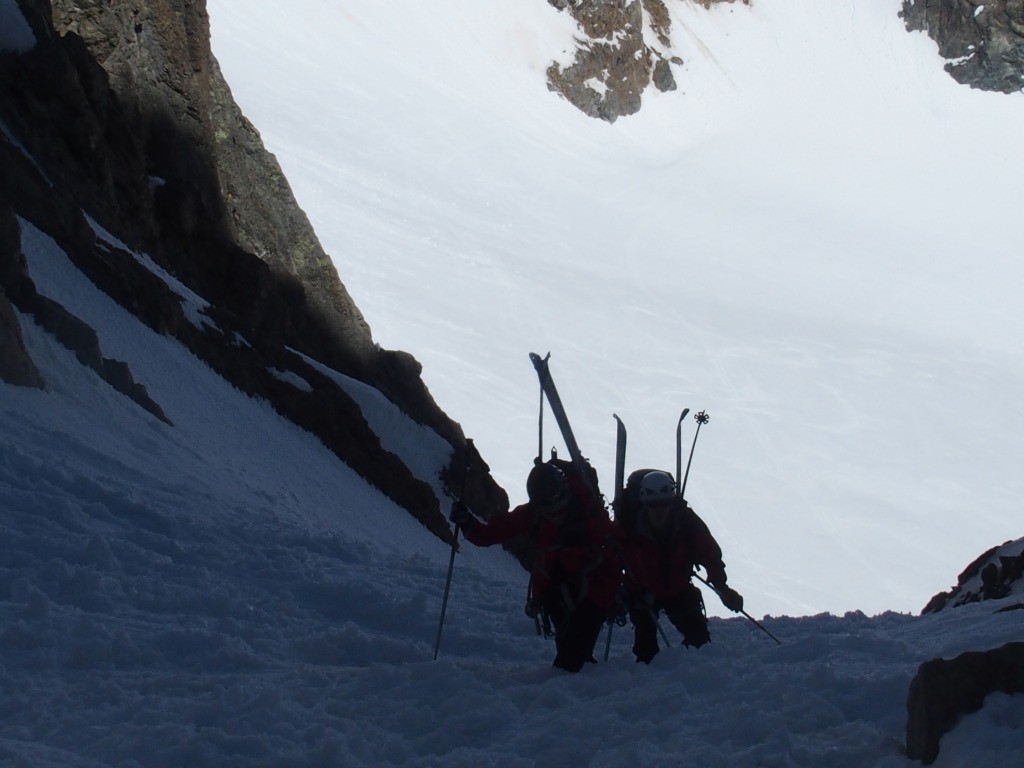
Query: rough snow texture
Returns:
{"type": "Point", "coordinates": [225, 592]}
{"type": "Point", "coordinates": [221, 593]}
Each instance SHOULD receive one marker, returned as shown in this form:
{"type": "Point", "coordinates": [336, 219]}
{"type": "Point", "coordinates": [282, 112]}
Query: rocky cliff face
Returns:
{"type": "Point", "coordinates": [983, 39]}
{"type": "Point", "coordinates": [115, 119]}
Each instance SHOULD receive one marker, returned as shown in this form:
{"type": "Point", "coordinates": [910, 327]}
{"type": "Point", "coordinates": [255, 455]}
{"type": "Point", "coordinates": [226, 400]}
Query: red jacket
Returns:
{"type": "Point", "coordinates": [576, 553]}
{"type": "Point", "coordinates": [662, 563]}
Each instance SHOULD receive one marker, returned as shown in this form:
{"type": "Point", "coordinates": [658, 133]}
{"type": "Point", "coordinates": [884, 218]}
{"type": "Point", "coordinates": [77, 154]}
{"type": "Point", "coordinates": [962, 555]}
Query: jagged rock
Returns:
{"type": "Point", "coordinates": [613, 66]}
{"type": "Point", "coordinates": [71, 331]}
{"type": "Point", "coordinates": [615, 61]}
{"type": "Point", "coordinates": [662, 77]}
{"type": "Point", "coordinates": [994, 575]}
{"type": "Point", "coordinates": [942, 691]}
{"type": "Point", "coordinates": [983, 39]}
{"type": "Point", "coordinates": [16, 366]}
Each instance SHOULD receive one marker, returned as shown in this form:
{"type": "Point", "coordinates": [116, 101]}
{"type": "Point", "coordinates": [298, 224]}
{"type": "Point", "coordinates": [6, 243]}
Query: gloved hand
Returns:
{"type": "Point", "coordinates": [461, 516]}
{"type": "Point", "coordinates": [731, 599]}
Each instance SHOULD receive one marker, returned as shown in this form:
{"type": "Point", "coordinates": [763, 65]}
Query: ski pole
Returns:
{"type": "Point", "coordinates": [701, 419]}
{"type": "Point", "coordinates": [661, 631]}
{"type": "Point", "coordinates": [531, 609]}
{"type": "Point", "coordinates": [451, 559]}
{"type": "Point", "coordinates": [755, 621]}
{"type": "Point", "coordinates": [608, 640]}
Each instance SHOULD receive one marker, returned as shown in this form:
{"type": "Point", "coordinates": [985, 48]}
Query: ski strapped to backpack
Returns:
{"type": "Point", "coordinates": [626, 499]}
{"type": "Point", "coordinates": [679, 448]}
{"type": "Point", "coordinates": [550, 392]}
{"type": "Point", "coordinates": [620, 455]}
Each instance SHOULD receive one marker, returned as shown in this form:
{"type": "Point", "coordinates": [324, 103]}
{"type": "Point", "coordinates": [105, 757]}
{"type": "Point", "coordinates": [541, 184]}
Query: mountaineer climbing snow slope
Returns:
{"type": "Point", "coordinates": [190, 595]}
{"type": "Point", "coordinates": [224, 592]}
{"type": "Point", "coordinates": [812, 238]}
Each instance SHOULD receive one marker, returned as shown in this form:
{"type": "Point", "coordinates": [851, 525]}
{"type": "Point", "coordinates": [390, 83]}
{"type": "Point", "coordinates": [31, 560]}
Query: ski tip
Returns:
{"type": "Point", "coordinates": [538, 361]}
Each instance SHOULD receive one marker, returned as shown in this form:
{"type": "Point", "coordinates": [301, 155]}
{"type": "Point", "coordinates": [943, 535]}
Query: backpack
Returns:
{"type": "Point", "coordinates": [627, 504]}
{"type": "Point", "coordinates": [584, 495]}
{"type": "Point", "coordinates": [583, 485]}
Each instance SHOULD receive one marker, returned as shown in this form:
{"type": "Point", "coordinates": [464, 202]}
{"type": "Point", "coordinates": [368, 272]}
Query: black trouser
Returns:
{"type": "Point", "coordinates": [576, 629]}
{"type": "Point", "coordinates": [685, 611]}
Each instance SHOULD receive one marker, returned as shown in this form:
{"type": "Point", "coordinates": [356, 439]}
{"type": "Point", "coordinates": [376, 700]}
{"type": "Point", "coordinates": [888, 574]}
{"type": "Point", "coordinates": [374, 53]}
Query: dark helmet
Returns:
{"type": "Point", "coordinates": [547, 485]}
{"type": "Point", "coordinates": [657, 488]}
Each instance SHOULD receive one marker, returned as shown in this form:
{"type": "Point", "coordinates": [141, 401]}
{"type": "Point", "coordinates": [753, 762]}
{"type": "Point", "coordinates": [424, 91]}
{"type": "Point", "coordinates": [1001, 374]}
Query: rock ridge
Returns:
{"type": "Point", "coordinates": [119, 111]}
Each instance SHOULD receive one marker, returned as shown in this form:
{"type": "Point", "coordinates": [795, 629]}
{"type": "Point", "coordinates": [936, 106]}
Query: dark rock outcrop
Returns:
{"type": "Point", "coordinates": [995, 575]}
{"type": "Point", "coordinates": [624, 48]}
{"type": "Point", "coordinates": [622, 53]}
{"type": "Point", "coordinates": [69, 330]}
{"type": "Point", "coordinates": [983, 39]}
{"type": "Point", "coordinates": [118, 120]}
{"type": "Point", "coordinates": [16, 367]}
{"type": "Point", "coordinates": [612, 66]}
{"type": "Point", "coordinates": [942, 691]}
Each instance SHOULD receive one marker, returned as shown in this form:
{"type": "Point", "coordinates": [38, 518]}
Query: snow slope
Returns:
{"type": "Point", "coordinates": [814, 239]}
{"type": "Point", "coordinates": [223, 593]}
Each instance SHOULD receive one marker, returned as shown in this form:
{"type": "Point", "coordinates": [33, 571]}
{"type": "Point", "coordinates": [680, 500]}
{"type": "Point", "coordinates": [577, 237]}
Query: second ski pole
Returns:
{"type": "Point", "coordinates": [451, 559]}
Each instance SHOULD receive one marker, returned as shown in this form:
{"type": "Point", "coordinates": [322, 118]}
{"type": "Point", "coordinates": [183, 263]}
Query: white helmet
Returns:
{"type": "Point", "coordinates": [657, 488]}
